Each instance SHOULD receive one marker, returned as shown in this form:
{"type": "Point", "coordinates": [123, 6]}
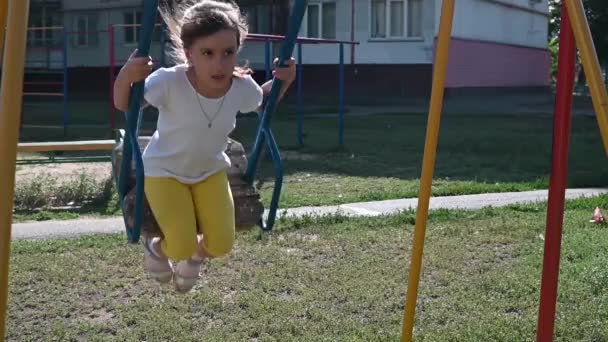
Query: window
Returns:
{"type": "Point", "coordinates": [132, 19]}
{"type": "Point", "coordinates": [40, 34]}
{"type": "Point", "coordinates": [396, 19]}
{"type": "Point", "coordinates": [82, 28]}
{"type": "Point", "coordinates": [320, 20]}
{"type": "Point", "coordinates": [158, 29]}
{"type": "Point", "coordinates": [258, 18]}
{"type": "Point", "coordinates": [36, 34]}
{"type": "Point", "coordinates": [414, 18]}
{"type": "Point", "coordinates": [85, 26]}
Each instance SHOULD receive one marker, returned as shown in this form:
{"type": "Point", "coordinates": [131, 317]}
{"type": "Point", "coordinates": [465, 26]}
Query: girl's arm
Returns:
{"type": "Point", "coordinates": [122, 90]}
{"type": "Point", "coordinates": [268, 85]}
{"type": "Point", "coordinates": [286, 74]}
{"type": "Point", "coordinates": [136, 69]}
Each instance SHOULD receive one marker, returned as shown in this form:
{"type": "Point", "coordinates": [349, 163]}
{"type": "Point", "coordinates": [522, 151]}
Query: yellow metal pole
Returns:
{"type": "Point", "coordinates": [3, 11]}
{"type": "Point", "coordinates": [591, 64]}
{"type": "Point", "coordinates": [11, 92]}
{"type": "Point", "coordinates": [428, 164]}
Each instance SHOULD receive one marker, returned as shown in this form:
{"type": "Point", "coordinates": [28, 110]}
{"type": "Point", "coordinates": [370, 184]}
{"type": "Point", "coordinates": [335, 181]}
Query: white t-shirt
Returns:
{"type": "Point", "coordinates": [184, 147]}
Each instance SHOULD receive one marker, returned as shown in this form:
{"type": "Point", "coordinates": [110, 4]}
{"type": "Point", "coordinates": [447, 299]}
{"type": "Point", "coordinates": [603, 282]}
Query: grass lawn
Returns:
{"type": "Point", "coordinates": [382, 157]}
{"type": "Point", "coordinates": [330, 279]}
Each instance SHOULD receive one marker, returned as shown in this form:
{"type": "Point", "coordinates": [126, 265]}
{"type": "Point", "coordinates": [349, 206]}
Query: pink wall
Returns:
{"type": "Point", "coordinates": [485, 64]}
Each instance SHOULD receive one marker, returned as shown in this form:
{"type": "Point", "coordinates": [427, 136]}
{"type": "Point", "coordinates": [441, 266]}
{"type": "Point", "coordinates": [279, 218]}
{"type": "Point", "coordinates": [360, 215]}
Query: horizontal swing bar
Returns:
{"type": "Point", "coordinates": [42, 28]}
{"type": "Point", "coordinates": [86, 145]}
{"type": "Point", "coordinates": [124, 60]}
{"type": "Point", "coordinates": [37, 105]}
{"type": "Point", "coordinates": [43, 94]}
{"type": "Point", "coordinates": [87, 31]}
{"type": "Point", "coordinates": [131, 25]}
{"type": "Point", "coordinates": [83, 126]}
{"type": "Point", "coordinates": [50, 61]}
{"type": "Point", "coordinates": [263, 37]}
{"type": "Point", "coordinates": [58, 159]}
{"type": "Point", "coordinates": [43, 83]}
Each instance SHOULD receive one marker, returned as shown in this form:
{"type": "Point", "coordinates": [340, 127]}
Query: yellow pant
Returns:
{"type": "Point", "coordinates": [178, 208]}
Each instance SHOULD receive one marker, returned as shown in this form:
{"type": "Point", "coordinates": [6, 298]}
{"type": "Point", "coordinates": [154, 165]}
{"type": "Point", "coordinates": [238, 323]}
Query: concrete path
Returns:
{"type": "Point", "coordinates": [72, 228]}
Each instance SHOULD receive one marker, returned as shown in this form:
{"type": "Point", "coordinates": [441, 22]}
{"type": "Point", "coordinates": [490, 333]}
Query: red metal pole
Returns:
{"type": "Point", "coordinates": [559, 173]}
{"type": "Point", "coordinates": [112, 62]}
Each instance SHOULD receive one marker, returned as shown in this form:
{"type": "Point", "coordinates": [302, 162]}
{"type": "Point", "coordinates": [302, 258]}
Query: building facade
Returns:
{"type": "Point", "coordinates": [495, 43]}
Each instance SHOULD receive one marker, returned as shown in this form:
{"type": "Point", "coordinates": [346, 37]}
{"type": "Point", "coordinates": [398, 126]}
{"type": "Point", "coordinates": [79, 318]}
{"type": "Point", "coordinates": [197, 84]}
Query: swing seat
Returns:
{"type": "Point", "coordinates": [248, 208]}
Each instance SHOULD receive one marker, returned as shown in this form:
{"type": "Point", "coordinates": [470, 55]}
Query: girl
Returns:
{"type": "Point", "coordinates": [186, 183]}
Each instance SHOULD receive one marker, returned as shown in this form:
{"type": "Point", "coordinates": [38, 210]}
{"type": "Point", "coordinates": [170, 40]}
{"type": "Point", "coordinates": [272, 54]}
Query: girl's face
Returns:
{"type": "Point", "coordinates": [214, 58]}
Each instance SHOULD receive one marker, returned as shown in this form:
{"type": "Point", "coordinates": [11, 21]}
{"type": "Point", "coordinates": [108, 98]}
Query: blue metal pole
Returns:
{"type": "Point", "coordinates": [300, 100]}
{"type": "Point", "coordinates": [275, 154]}
{"type": "Point", "coordinates": [131, 149]}
{"type": "Point", "coordinates": [66, 114]}
{"type": "Point", "coordinates": [254, 158]}
{"type": "Point", "coordinates": [286, 51]}
{"type": "Point", "coordinates": [341, 96]}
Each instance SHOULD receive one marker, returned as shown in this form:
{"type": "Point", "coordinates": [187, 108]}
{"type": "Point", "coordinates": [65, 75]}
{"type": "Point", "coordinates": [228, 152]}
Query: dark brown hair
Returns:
{"type": "Point", "coordinates": [190, 20]}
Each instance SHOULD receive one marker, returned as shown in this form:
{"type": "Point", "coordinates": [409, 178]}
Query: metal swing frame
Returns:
{"type": "Point", "coordinates": [132, 151]}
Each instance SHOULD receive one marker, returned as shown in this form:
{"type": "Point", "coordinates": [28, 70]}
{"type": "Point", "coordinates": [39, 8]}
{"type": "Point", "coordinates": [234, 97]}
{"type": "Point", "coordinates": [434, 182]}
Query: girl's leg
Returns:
{"type": "Point", "coordinates": [171, 203]}
{"type": "Point", "coordinates": [214, 208]}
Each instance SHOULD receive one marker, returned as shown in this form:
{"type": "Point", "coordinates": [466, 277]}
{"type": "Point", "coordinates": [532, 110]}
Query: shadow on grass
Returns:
{"type": "Point", "coordinates": [496, 148]}
{"type": "Point", "coordinates": [489, 148]}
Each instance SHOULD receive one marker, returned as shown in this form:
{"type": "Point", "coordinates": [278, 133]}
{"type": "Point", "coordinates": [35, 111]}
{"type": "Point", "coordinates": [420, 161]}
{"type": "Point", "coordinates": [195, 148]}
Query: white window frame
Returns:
{"type": "Point", "coordinates": [387, 22]}
{"type": "Point", "coordinates": [135, 28]}
{"type": "Point", "coordinates": [78, 17]}
{"type": "Point", "coordinates": [319, 5]}
{"type": "Point", "coordinates": [40, 38]}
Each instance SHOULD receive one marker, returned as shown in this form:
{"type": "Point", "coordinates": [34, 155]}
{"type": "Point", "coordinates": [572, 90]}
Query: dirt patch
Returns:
{"type": "Point", "coordinates": [300, 237]}
{"type": "Point", "coordinates": [289, 250]}
{"type": "Point", "coordinates": [497, 255]}
{"type": "Point", "coordinates": [100, 316]}
{"type": "Point", "coordinates": [98, 170]}
{"type": "Point", "coordinates": [228, 296]}
{"type": "Point", "coordinates": [64, 171]}
{"type": "Point", "coordinates": [292, 155]}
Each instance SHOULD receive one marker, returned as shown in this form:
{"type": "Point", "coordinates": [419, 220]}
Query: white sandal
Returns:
{"type": "Point", "coordinates": [187, 274]}
{"type": "Point", "coordinates": [158, 267]}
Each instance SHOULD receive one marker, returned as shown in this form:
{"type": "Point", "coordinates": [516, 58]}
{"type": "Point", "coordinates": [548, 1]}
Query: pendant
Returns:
{"type": "Point", "coordinates": [209, 125]}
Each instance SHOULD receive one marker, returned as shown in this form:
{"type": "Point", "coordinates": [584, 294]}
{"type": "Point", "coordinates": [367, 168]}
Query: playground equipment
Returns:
{"type": "Point", "coordinates": [58, 147]}
{"type": "Point", "coordinates": [128, 163]}
{"type": "Point", "coordinates": [131, 149]}
{"type": "Point", "coordinates": [14, 18]}
{"type": "Point", "coordinates": [247, 205]}
{"type": "Point", "coordinates": [53, 64]}
{"type": "Point", "coordinates": [47, 63]}
{"type": "Point", "coordinates": [574, 30]}
{"type": "Point", "coordinates": [92, 145]}
{"type": "Point", "coordinates": [268, 41]}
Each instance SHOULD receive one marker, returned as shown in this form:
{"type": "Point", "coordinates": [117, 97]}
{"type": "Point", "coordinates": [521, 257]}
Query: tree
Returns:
{"type": "Point", "coordinates": [596, 12]}
{"type": "Point", "coordinates": [597, 16]}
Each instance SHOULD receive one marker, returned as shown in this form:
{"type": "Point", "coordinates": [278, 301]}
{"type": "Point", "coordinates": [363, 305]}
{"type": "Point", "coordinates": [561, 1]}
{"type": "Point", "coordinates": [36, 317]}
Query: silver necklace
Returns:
{"type": "Point", "coordinates": [209, 120]}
